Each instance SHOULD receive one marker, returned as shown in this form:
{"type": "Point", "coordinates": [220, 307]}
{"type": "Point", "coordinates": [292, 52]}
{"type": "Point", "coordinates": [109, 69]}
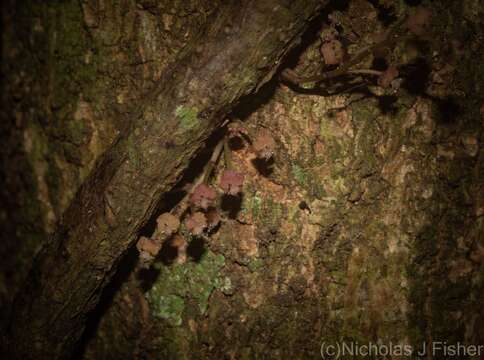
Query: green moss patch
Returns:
{"type": "Point", "coordinates": [177, 283]}
{"type": "Point", "coordinates": [188, 117]}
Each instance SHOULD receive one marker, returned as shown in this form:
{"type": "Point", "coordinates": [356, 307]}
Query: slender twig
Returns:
{"type": "Point", "coordinates": [291, 76]}
{"type": "Point", "coordinates": [212, 162]}
{"type": "Point", "coordinates": [203, 178]}
{"type": "Point", "coordinates": [227, 154]}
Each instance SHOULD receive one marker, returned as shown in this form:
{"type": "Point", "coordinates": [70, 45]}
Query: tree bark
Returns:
{"type": "Point", "coordinates": [367, 228]}
{"type": "Point", "coordinates": [238, 54]}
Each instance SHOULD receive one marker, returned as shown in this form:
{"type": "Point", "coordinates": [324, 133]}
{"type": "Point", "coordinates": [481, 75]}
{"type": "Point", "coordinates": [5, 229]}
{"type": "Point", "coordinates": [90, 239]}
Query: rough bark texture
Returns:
{"type": "Point", "coordinates": [367, 227]}
{"type": "Point", "coordinates": [236, 50]}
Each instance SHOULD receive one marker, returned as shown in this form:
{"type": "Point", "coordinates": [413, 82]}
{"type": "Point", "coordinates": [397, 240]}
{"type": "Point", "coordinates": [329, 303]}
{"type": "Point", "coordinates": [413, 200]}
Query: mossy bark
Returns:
{"type": "Point", "coordinates": [233, 51]}
{"type": "Point", "coordinates": [367, 227]}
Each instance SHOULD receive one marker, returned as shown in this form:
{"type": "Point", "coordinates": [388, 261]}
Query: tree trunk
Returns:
{"type": "Point", "coordinates": [236, 51]}
{"type": "Point", "coordinates": [365, 227]}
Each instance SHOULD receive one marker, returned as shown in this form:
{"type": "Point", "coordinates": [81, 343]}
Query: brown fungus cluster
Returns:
{"type": "Point", "coordinates": [199, 213]}
{"type": "Point", "coordinates": [231, 182]}
{"type": "Point", "coordinates": [203, 196]}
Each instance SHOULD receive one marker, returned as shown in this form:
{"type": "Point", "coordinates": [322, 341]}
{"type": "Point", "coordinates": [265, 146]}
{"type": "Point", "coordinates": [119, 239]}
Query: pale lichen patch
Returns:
{"type": "Point", "coordinates": [188, 117]}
